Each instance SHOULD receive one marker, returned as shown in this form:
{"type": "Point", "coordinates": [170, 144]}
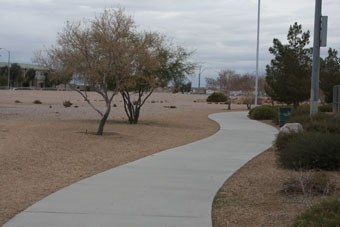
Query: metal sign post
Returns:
{"type": "Point", "coordinates": [316, 60]}
{"type": "Point", "coordinates": [257, 51]}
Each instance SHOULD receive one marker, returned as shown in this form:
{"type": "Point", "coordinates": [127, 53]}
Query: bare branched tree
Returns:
{"type": "Point", "coordinates": [94, 52]}
{"type": "Point", "coordinates": [224, 81]}
{"type": "Point", "coordinates": [229, 80]}
{"type": "Point", "coordinates": [142, 79]}
{"type": "Point", "coordinates": [179, 67]}
{"type": "Point", "coordinates": [156, 63]}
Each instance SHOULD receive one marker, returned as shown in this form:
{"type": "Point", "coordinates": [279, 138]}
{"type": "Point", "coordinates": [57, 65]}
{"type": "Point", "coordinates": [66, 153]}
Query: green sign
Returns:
{"type": "Point", "coordinates": [284, 115]}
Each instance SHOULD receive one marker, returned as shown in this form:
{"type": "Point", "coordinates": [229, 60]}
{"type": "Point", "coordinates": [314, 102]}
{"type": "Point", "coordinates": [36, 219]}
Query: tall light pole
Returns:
{"type": "Point", "coordinates": [200, 71]}
{"type": "Point", "coordinates": [9, 64]}
{"type": "Point", "coordinates": [257, 50]}
{"type": "Point", "coordinates": [199, 79]}
{"type": "Point", "coordinates": [316, 58]}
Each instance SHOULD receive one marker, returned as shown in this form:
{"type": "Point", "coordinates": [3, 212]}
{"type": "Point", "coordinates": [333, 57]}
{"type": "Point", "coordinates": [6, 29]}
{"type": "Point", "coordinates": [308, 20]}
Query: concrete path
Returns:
{"type": "Point", "coordinates": [174, 188]}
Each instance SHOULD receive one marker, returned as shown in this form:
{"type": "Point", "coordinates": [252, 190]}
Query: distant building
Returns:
{"type": "Point", "coordinates": [235, 93]}
{"type": "Point", "coordinates": [40, 73]}
{"type": "Point", "coordinates": [202, 90]}
{"type": "Point", "coordinates": [209, 91]}
{"type": "Point", "coordinates": [196, 90]}
{"type": "Point", "coordinates": [78, 82]}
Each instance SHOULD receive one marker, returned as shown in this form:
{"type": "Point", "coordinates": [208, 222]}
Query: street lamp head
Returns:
{"type": "Point", "coordinates": [1, 48]}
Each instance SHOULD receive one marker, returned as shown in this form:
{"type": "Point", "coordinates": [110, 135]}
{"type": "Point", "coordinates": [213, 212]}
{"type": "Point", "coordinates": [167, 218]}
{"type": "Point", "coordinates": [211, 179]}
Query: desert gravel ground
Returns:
{"type": "Point", "coordinates": [255, 195]}
{"type": "Point", "coordinates": [45, 147]}
{"type": "Point", "coordinates": [252, 196]}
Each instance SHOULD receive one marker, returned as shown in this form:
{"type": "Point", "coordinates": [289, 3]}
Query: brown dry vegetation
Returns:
{"type": "Point", "coordinates": [45, 147]}
{"type": "Point", "coordinates": [255, 195]}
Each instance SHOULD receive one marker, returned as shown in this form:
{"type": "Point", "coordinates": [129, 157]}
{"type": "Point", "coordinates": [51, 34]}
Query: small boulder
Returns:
{"type": "Point", "coordinates": [291, 128]}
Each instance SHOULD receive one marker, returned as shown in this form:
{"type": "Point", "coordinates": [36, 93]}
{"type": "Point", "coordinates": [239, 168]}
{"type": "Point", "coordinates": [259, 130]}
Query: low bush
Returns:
{"type": "Point", "coordinates": [326, 108]}
{"type": "Point", "coordinates": [302, 119]}
{"type": "Point", "coordinates": [300, 110]}
{"type": "Point", "coordinates": [323, 126]}
{"type": "Point", "coordinates": [309, 183]}
{"type": "Point", "coordinates": [326, 213]}
{"type": "Point", "coordinates": [282, 139]}
{"type": "Point", "coordinates": [309, 151]}
{"type": "Point", "coordinates": [67, 104]}
{"type": "Point", "coordinates": [321, 182]}
{"type": "Point", "coordinates": [305, 109]}
{"type": "Point", "coordinates": [170, 107]}
{"type": "Point", "coordinates": [263, 113]}
{"type": "Point", "coordinates": [321, 122]}
{"type": "Point", "coordinates": [217, 97]}
{"type": "Point", "coordinates": [37, 102]}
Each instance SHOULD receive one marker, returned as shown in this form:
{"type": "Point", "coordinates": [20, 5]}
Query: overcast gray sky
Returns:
{"type": "Point", "coordinates": [223, 32]}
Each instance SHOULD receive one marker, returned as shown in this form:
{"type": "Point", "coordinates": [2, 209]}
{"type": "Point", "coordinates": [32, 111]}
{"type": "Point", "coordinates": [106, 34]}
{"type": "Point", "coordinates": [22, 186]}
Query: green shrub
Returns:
{"type": "Point", "coordinates": [302, 119]}
{"type": "Point", "coordinates": [324, 123]}
{"type": "Point", "coordinates": [275, 120]}
{"type": "Point", "coordinates": [67, 104]}
{"type": "Point", "coordinates": [310, 151]}
{"type": "Point", "coordinates": [282, 139]}
{"type": "Point", "coordinates": [263, 113]}
{"type": "Point", "coordinates": [321, 122]}
{"type": "Point", "coordinates": [326, 108]}
{"type": "Point", "coordinates": [300, 110]}
{"type": "Point", "coordinates": [323, 126]}
{"type": "Point", "coordinates": [305, 109]}
{"type": "Point", "coordinates": [217, 97]}
{"type": "Point", "coordinates": [324, 214]}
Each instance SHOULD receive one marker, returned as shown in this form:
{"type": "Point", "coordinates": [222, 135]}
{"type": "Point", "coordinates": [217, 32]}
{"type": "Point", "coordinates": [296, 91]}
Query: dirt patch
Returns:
{"type": "Point", "coordinates": [271, 123]}
{"type": "Point", "coordinates": [46, 147]}
{"type": "Point", "coordinates": [254, 195]}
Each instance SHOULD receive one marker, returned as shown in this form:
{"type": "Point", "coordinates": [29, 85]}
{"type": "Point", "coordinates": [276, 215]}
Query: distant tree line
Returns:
{"type": "Point", "coordinates": [16, 75]}
{"type": "Point", "coordinates": [228, 81]}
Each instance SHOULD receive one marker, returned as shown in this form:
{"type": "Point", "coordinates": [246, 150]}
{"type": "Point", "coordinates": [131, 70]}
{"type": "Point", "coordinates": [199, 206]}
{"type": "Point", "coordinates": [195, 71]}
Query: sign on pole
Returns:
{"type": "Point", "coordinates": [323, 35]}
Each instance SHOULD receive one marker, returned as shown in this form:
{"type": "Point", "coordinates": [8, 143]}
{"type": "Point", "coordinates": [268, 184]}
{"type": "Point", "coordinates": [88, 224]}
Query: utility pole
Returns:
{"type": "Point", "coordinates": [199, 79]}
{"type": "Point", "coordinates": [257, 51]}
{"type": "Point", "coordinates": [201, 69]}
{"type": "Point", "coordinates": [316, 58]}
{"type": "Point", "coordinates": [9, 68]}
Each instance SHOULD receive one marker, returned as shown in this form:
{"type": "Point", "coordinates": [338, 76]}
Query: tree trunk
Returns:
{"type": "Point", "coordinates": [103, 121]}
{"type": "Point", "coordinates": [295, 105]}
{"type": "Point", "coordinates": [136, 116]}
{"type": "Point", "coordinates": [133, 115]}
{"type": "Point", "coordinates": [132, 109]}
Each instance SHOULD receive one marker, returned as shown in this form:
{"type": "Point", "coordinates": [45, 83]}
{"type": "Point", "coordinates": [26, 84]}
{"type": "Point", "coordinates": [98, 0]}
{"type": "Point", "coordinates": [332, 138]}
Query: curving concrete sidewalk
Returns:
{"type": "Point", "coordinates": [173, 188]}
